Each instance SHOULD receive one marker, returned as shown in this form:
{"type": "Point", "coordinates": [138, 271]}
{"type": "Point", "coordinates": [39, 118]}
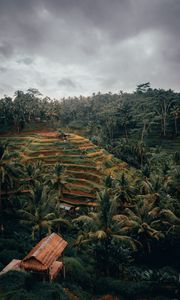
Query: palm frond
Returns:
{"type": "Point", "coordinates": [169, 216]}
{"type": "Point", "coordinates": [99, 235]}
{"type": "Point", "coordinates": [120, 218]}
{"type": "Point", "coordinates": [61, 221]}
{"type": "Point", "coordinates": [84, 219]}
{"type": "Point", "coordinates": [126, 240]}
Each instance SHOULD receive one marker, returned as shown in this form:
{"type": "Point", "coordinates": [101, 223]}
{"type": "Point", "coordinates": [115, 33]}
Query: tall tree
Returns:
{"type": "Point", "coordinates": [163, 102]}
{"type": "Point", "coordinates": [100, 229]}
{"type": "Point", "coordinates": [9, 172]}
{"type": "Point", "coordinates": [58, 181]}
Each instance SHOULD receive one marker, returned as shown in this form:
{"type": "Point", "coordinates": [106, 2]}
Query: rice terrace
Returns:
{"type": "Point", "coordinates": [85, 164]}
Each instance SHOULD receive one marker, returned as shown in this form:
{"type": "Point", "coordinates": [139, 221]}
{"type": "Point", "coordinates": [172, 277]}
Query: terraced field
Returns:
{"type": "Point", "coordinates": [86, 165]}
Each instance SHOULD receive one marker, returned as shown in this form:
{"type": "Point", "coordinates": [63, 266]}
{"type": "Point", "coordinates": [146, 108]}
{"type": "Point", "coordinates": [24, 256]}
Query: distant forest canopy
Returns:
{"type": "Point", "coordinates": [141, 114]}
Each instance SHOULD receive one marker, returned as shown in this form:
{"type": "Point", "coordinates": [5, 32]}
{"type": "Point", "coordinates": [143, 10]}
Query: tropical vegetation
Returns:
{"type": "Point", "coordinates": [102, 171]}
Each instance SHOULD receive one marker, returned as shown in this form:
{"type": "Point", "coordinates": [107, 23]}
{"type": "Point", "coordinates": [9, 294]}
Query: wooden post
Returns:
{"type": "Point", "coordinates": [64, 271]}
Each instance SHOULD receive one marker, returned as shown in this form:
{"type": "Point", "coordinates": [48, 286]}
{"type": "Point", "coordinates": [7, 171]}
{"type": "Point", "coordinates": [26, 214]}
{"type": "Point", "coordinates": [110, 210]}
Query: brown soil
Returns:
{"type": "Point", "coordinates": [87, 171]}
{"type": "Point", "coordinates": [44, 141]}
{"type": "Point", "coordinates": [42, 133]}
{"type": "Point", "coordinates": [85, 175]}
{"type": "Point", "coordinates": [80, 193]}
{"type": "Point", "coordinates": [84, 181]}
{"type": "Point", "coordinates": [48, 134]}
{"type": "Point", "coordinates": [78, 202]}
{"type": "Point", "coordinates": [52, 153]}
{"type": "Point", "coordinates": [86, 146]}
{"type": "Point", "coordinates": [94, 154]}
{"type": "Point", "coordinates": [70, 162]}
{"type": "Point", "coordinates": [15, 192]}
{"type": "Point", "coordinates": [85, 164]}
{"type": "Point", "coordinates": [78, 184]}
{"type": "Point", "coordinates": [100, 158]}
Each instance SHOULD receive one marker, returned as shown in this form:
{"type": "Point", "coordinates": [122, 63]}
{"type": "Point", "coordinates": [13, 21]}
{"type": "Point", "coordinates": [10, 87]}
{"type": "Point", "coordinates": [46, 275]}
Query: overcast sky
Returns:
{"type": "Point", "coordinates": [73, 47]}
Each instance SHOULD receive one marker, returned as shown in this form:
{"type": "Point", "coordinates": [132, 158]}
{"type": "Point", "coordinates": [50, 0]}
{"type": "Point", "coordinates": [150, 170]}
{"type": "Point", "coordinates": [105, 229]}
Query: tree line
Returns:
{"type": "Point", "coordinates": [142, 113]}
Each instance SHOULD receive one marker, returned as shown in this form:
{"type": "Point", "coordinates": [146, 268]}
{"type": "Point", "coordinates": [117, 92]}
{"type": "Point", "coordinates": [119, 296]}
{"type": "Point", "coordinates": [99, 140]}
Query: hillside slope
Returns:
{"type": "Point", "coordinates": [86, 165]}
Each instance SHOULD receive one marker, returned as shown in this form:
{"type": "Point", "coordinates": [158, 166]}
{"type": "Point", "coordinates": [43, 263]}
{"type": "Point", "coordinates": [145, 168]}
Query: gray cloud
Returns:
{"type": "Point", "coordinates": [67, 83]}
{"type": "Point", "coordinates": [26, 60]}
{"type": "Point", "coordinates": [6, 49]}
{"type": "Point", "coordinates": [101, 44]}
{"type": "Point", "coordinates": [3, 69]}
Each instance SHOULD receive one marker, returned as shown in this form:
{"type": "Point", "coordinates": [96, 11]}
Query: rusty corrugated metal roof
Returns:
{"type": "Point", "coordinates": [54, 269]}
{"type": "Point", "coordinates": [41, 257]}
{"type": "Point", "coordinates": [13, 265]}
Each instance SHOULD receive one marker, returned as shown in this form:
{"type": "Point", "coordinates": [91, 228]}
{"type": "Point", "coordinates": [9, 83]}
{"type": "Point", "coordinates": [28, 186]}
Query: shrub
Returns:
{"type": "Point", "coordinates": [8, 243]}
{"type": "Point", "coordinates": [47, 291]}
{"type": "Point", "coordinates": [76, 272]}
{"type": "Point", "coordinates": [130, 290]}
{"type": "Point", "coordinates": [21, 294]}
{"type": "Point", "coordinates": [7, 255]}
{"type": "Point", "coordinates": [13, 281]}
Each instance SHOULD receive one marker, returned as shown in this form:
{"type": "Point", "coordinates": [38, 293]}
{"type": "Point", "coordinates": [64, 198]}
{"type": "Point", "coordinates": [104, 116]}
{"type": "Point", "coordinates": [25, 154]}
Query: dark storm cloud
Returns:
{"type": "Point", "coordinates": [103, 44]}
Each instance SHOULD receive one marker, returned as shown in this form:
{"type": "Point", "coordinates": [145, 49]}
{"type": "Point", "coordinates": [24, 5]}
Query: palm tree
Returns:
{"type": "Point", "coordinates": [101, 231]}
{"type": "Point", "coordinates": [59, 222]}
{"type": "Point", "coordinates": [38, 211]}
{"type": "Point", "coordinates": [10, 169]}
{"type": "Point", "coordinates": [147, 221]}
{"type": "Point", "coordinates": [123, 191]}
{"type": "Point", "coordinates": [141, 152]}
{"type": "Point", "coordinates": [144, 185]}
{"type": "Point", "coordinates": [172, 182]}
{"type": "Point", "coordinates": [158, 183]}
{"type": "Point", "coordinates": [57, 180]}
{"type": "Point", "coordinates": [34, 172]}
{"type": "Point", "coordinates": [108, 182]}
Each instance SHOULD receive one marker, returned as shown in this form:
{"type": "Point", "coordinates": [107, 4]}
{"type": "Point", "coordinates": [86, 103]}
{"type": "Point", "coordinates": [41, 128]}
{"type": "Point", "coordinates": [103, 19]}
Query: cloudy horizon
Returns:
{"type": "Point", "coordinates": [77, 47]}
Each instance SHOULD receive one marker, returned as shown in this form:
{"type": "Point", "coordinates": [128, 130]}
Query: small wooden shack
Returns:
{"type": "Point", "coordinates": [42, 258]}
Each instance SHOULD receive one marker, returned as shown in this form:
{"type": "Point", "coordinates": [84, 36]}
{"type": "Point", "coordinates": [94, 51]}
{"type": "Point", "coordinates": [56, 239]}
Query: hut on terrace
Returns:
{"type": "Point", "coordinates": [43, 258]}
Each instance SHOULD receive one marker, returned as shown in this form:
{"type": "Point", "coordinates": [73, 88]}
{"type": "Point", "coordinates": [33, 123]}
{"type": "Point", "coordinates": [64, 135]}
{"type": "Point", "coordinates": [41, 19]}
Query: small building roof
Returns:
{"type": "Point", "coordinates": [54, 269]}
{"type": "Point", "coordinates": [66, 206]}
{"type": "Point", "coordinates": [44, 254]}
{"type": "Point", "coordinates": [13, 265]}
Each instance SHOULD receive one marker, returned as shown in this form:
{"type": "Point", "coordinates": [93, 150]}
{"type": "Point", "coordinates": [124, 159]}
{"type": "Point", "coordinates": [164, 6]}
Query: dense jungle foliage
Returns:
{"type": "Point", "coordinates": [128, 245]}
